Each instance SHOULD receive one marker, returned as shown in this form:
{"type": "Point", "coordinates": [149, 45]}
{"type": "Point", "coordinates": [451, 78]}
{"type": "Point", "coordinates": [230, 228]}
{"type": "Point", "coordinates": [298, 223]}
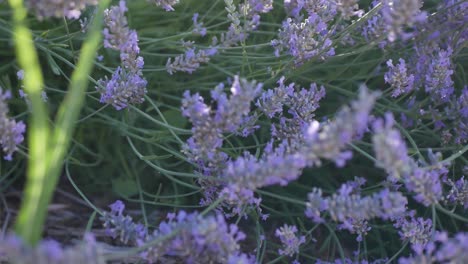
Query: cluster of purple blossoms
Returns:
{"type": "Point", "coordinates": [261, 6]}
{"type": "Point", "coordinates": [70, 9]}
{"type": "Point", "coordinates": [284, 163]}
{"type": "Point", "coordinates": [289, 239]}
{"type": "Point", "coordinates": [458, 194]}
{"type": "Point", "coordinates": [300, 102]}
{"type": "Point", "coordinates": [122, 226]}
{"type": "Point", "coordinates": [330, 139]}
{"type": "Point", "coordinates": [393, 20]}
{"type": "Point", "coordinates": [190, 60]}
{"type": "Point", "coordinates": [198, 28]}
{"type": "Point", "coordinates": [391, 155]}
{"type": "Point", "coordinates": [14, 250]}
{"type": "Point", "coordinates": [446, 27]}
{"type": "Point", "coordinates": [431, 70]}
{"type": "Point", "coordinates": [127, 84]}
{"type": "Point", "coordinates": [441, 249]}
{"type": "Point", "coordinates": [304, 40]}
{"type": "Point", "coordinates": [348, 8]}
{"type": "Point", "coordinates": [209, 124]}
{"type": "Point", "coordinates": [460, 112]}
{"type": "Point", "coordinates": [390, 149]}
{"type": "Point", "coordinates": [352, 210]}
{"type": "Point", "coordinates": [326, 9]}
{"type": "Point", "coordinates": [248, 13]}
{"type": "Point", "coordinates": [166, 4]}
{"type": "Point", "coordinates": [426, 184]}
{"type": "Point", "coordinates": [398, 14]}
{"type": "Point", "coordinates": [438, 81]}
{"type": "Point", "coordinates": [11, 132]}
{"type": "Point", "coordinates": [247, 173]}
{"type": "Point", "coordinates": [182, 238]}
{"type": "Point", "coordinates": [416, 230]}
{"type": "Point", "coordinates": [399, 79]}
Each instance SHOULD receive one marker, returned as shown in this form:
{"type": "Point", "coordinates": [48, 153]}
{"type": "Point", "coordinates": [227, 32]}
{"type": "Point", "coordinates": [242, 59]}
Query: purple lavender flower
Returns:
{"type": "Point", "coordinates": [325, 9]}
{"type": "Point", "coordinates": [458, 112]}
{"type": "Point", "coordinates": [329, 140]}
{"type": "Point", "coordinates": [250, 10]}
{"type": "Point", "coordinates": [122, 89]}
{"type": "Point", "coordinates": [188, 238]}
{"type": "Point", "coordinates": [316, 205]}
{"type": "Point", "coordinates": [272, 101]}
{"type": "Point", "coordinates": [438, 79]}
{"type": "Point", "coordinates": [209, 124]}
{"type": "Point", "coordinates": [416, 230]}
{"type": "Point", "coordinates": [166, 4]}
{"type": "Point", "coordinates": [11, 132]}
{"type": "Point", "coordinates": [122, 226]}
{"type": "Point", "coordinates": [304, 40]}
{"type": "Point", "coordinates": [300, 102]}
{"type": "Point", "coordinates": [20, 75]}
{"type": "Point", "coordinates": [459, 192]}
{"type": "Point", "coordinates": [398, 14]}
{"type": "Point", "coordinates": [245, 174]}
{"type": "Point", "coordinates": [197, 240]}
{"type": "Point", "coordinates": [190, 60]}
{"type": "Point", "coordinates": [261, 6]}
{"type": "Point", "coordinates": [348, 8]}
{"type": "Point", "coordinates": [356, 226]}
{"type": "Point", "coordinates": [374, 27]}
{"type": "Point", "coordinates": [399, 79]}
{"type": "Point", "coordinates": [390, 149]}
{"type": "Point", "coordinates": [426, 185]}
{"type": "Point", "coordinates": [454, 250]}
{"type": "Point", "coordinates": [198, 28]}
{"type": "Point", "coordinates": [70, 9]}
{"type": "Point", "coordinates": [462, 103]}
{"type": "Point", "coordinates": [127, 84]}
{"type": "Point", "coordinates": [289, 239]}
{"type": "Point", "coordinates": [14, 250]}
{"type": "Point", "coordinates": [348, 208]}
{"type": "Point", "coordinates": [441, 249]}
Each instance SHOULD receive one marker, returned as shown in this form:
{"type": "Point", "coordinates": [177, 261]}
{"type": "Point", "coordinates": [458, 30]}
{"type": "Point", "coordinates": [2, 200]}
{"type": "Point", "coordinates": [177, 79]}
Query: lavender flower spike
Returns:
{"type": "Point", "coordinates": [398, 14]}
{"type": "Point", "coordinates": [400, 81]}
{"type": "Point", "coordinates": [70, 9]}
{"type": "Point", "coordinates": [14, 250]}
{"type": "Point", "coordinates": [459, 192]}
{"type": "Point", "coordinates": [291, 242]}
{"type": "Point", "coordinates": [390, 149]}
{"type": "Point", "coordinates": [329, 140]}
{"type": "Point", "coordinates": [166, 4]}
{"type": "Point", "coordinates": [127, 84]}
{"type": "Point", "coordinates": [11, 132]}
{"type": "Point", "coordinates": [304, 40]}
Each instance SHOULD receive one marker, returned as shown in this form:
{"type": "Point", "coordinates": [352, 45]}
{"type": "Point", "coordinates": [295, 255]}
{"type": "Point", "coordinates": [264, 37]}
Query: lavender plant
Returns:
{"type": "Point", "coordinates": [241, 128]}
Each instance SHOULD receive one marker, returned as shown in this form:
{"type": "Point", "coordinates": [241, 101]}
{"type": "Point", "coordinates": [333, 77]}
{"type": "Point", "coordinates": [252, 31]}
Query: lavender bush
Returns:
{"type": "Point", "coordinates": [256, 131]}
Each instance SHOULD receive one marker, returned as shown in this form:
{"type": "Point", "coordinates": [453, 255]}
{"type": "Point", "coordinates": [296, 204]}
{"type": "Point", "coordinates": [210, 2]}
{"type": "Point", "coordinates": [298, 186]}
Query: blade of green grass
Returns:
{"type": "Point", "coordinates": [47, 153]}
{"type": "Point", "coordinates": [38, 131]}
